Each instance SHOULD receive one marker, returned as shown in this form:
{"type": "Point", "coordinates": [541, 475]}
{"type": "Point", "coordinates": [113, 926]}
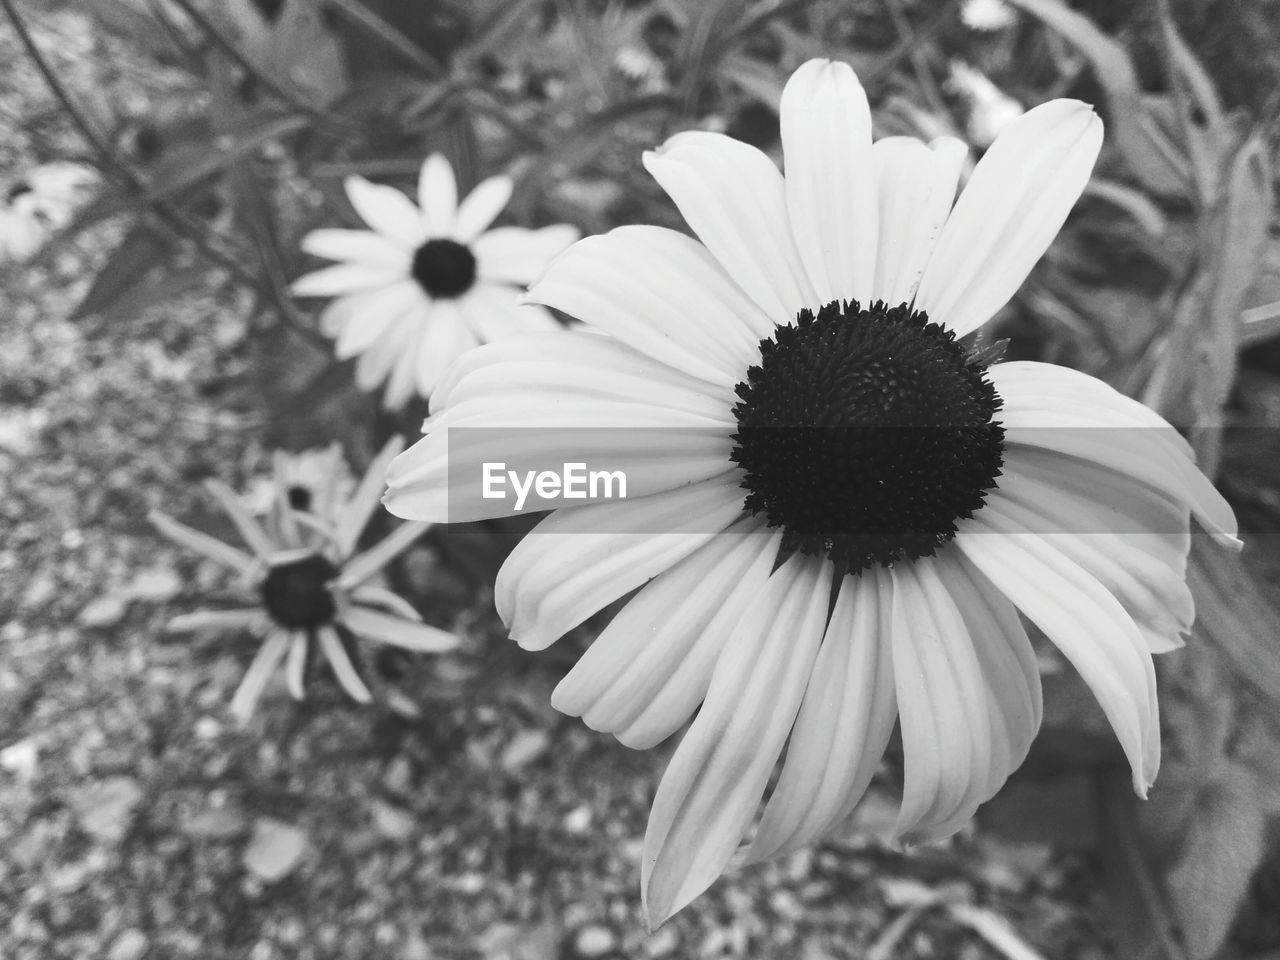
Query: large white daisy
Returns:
{"type": "Point", "coordinates": [315, 594]}
{"type": "Point", "coordinates": [852, 508]}
{"type": "Point", "coordinates": [427, 281]}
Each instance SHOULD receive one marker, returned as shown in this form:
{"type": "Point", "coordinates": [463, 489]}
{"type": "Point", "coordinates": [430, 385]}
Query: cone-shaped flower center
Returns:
{"type": "Point", "coordinates": [444, 268]}
{"type": "Point", "coordinates": [866, 434]}
{"type": "Point", "coordinates": [296, 594]}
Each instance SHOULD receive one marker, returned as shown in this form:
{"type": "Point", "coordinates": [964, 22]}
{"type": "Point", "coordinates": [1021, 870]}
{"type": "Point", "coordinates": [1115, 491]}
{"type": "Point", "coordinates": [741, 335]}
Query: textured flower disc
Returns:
{"type": "Point", "coordinates": [866, 434]}
{"type": "Point", "coordinates": [444, 268]}
{"type": "Point", "coordinates": [296, 594]}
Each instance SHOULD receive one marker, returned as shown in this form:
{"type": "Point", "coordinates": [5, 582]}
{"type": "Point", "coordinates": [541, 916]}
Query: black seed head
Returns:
{"type": "Point", "coordinates": [296, 594]}
{"type": "Point", "coordinates": [866, 434]}
{"type": "Point", "coordinates": [444, 268]}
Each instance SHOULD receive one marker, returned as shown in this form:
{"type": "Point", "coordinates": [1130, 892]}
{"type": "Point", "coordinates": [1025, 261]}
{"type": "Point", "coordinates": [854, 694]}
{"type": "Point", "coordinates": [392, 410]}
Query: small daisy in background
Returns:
{"type": "Point", "coordinates": [427, 281]}
{"type": "Point", "coordinates": [876, 503]}
{"type": "Point", "coordinates": [987, 16]}
{"type": "Point", "coordinates": [314, 592]}
{"type": "Point", "coordinates": [39, 204]}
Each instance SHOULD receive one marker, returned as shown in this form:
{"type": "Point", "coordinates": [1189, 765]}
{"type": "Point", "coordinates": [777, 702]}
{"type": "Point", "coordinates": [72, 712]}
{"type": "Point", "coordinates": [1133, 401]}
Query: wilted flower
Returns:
{"type": "Point", "coordinates": [314, 590]}
{"type": "Point", "coordinates": [428, 281]}
{"type": "Point", "coordinates": [876, 503]}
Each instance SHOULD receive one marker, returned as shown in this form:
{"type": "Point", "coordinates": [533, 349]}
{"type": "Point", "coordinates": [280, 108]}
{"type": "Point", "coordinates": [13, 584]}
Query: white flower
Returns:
{"type": "Point", "coordinates": [851, 509]}
{"type": "Point", "coordinates": [427, 281]}
{"type": "Point", "coordinates": [313, 589]}
{"type": "Point", "coordinates": [39, 205]}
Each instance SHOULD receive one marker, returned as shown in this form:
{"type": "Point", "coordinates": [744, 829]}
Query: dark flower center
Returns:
{"type": "Point", "coordinates": [296, 594]}
{"type": "Point", "coordinates": [866, 434]}
{"type": "Point", "coordinates": [444, 268]}
{"type": "Point", "coordinates": [299, 497]}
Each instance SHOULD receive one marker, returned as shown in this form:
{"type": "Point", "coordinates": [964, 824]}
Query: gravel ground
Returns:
{"type": "Point", "coordinates": [485, 826]}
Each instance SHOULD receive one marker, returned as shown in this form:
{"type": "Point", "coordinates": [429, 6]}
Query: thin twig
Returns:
{"type": "Point", "coordinates": [390, 37]}
{"type": "Point", "coordinates": [112, 164]}
{"type": "Point", "coordinates": [889, 62]}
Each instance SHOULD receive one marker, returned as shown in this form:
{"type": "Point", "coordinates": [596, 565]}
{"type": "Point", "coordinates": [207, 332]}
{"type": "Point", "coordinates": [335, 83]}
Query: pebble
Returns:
{"type": "Point", "coordinates": [101, 613]}
{"type": "Point", "coordinates": [130, 945]}
{"type": "Point", "coordinates": [594, 941]}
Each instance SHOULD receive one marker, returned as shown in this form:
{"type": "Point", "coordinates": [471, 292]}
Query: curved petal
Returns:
{"type": "Point", "coordinates": [494, 312]}
{"type": "Point", "coordinates": [264, 664]}
{"type": "Point", "coordinates": [917, 185]}
{"type": "Point", "coordinates": [1013, 206]}
{"type": "Point", "coordinates": [396, 631]}
{"type": "Point", "coordinates": [445, 337]}
{"type": "Point", "coordinates": [1152, 590]}
{"type": "Point", "coordinates": [518, 256]}
{"type": "Point", "coordinates": [461, 469]}
{"type": "Point", "coordinates": [714, 782]}
{"type": "Point", "coordinates": [661, 293]}
{"type": "Point", "coordinates": [386, 210]}
{"type": "Point", "coordinates": [377, 317]}
{"type": "Point", "coordinates": [402, 380]}
{"type": "Point", "coordinates": [830, 179]}
{"type": "Point", "coordinates": [595, 368]}
{"type": "Point", "coordinates": [344, 278]}
{"type": "Point", "coordinates": [949, 756]}
{"type": "Point", "coordinates": [843, 726]}
{"type": "Point", "coordinates": [576, 562]}
{"type": "Point", "coordinates": [646, 673]}
{"type": "Point", "coordinates": [295, 667]}
{"type": "Point", "coordinates": [437, 196]}
{"type": "Point", "coordinates": [733, 198]}
{"type": "Point", "coordinates": [376, 363]}
{"type": "Point", "coordinates": [481, 207]}
{"type": "Point", "coordinates": [1049, 407]}
{"type": "Point", "coordinates": [1082, 619]}
{"type": "Point", "coordinates": [360, 246]}
{"type": "Point", "coordinates": [343, 669]}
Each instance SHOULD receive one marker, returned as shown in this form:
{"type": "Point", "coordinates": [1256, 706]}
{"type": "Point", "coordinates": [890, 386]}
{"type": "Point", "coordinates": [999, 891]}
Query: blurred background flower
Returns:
{"type": "Point", "coordinates": [316, 594]}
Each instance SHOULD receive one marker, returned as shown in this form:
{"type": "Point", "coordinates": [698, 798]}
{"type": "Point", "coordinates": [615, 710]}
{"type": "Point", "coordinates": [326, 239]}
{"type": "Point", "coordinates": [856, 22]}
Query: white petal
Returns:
{"type": "Point", "coordinates": [1071, 413]}
{"type": "Point", "coordinates": [843, 726]}
{"type": "Point", "coordinates": [577, 561]}
{"type": "Point", "coordinates": [360, 246]}
{"type": "Point", "coordinates": [1152, 589]}
{"type": "Point", "coordinates": [386, 210]}
{"type": "Point", "coordinates": [374, 365]}
{"type": "Point", "coordinates": [295, 668]}
{"type": "Point", "coordinates": [384, 628]}
{"type": "Point", "coordinates": [733, 197]}
{"type": "Point", "coordinates": [202, 543]}
{"type": "Point", "coordinates": [830, 179]}
{"type": "Point", "coordinates": [246, 523]}
{"type": "Point", "coordinates": [481, 207]}
{"type": "Point", "coordinates": [438, 196]}
{"type": "Point", "coordinates": [216, 621]}
{"type": "Point", "coordinates": [445, 337]}
{"type": "Point", "coordinates": [662, 293]}
{"type": "Point", "coordinates": [1013, 206]}
{"type": "Point", "coordinates": [259, 673]}
{"type": "Point", "coordinates": [581, 365]}
{"type": "Point", "coordinates": [377, 318]}
{"type": "Point", "coordinates": [364, 565]}
{"type": "Point", "coordinates": [343, 669]}
{"type": "Point", "coordinates": [373, 596]}
{"type": "Point", "coordinates": [344, 278]}
{"type": "Point", "coordinates": [1082, 619]}
{"type": "Point", "coordinates": [646, 673]}
{"type": "Point", "coordinates": [355, 514]}
{"type": "Point", "coordinates": [402, 381]}
{"type": "Point", "coordinates": [493, 312]}
{"type": "Point", "coordinates": [518, 256]}
{"type": "Point", "coordinates": [917, 185]}
{"type": "Point", "coordinates": [444, 477]}
{"type": "Point", "coordinates": [947, 744]}
{"type": "Point", "coordinates": [714, 782]}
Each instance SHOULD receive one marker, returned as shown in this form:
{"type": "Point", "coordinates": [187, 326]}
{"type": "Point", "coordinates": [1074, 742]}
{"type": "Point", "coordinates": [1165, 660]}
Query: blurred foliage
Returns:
{"type": "Point", "coordinates": [1166, 281]}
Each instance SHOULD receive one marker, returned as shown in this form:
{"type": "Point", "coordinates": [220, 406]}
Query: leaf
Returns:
{"type": "Point", "coordinates": [1223, 847]}
{"type": "Point", "coordinates": [1237, 616]}
{"type": "Point", "coordinates": [1149, 152]}
{"type": "Point", "coordinates": [126, 270]}
{"type": "Point", "coordinates": [275, 850]}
